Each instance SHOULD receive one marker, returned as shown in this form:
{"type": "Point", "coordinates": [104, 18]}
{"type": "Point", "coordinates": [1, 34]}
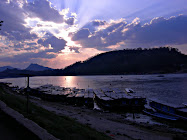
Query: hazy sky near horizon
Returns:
{"type": "Point", "coordinates": [57, 33]}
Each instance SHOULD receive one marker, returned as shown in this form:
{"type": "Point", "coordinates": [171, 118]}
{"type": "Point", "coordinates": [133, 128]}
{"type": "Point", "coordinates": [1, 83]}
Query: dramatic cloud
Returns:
{"type": "Point", "coordinates": [56, 44]}
{"type": "Point", "coordinates": [42, 9]}
{"type": "Point", "coordinates": [34, 30]}
{"type": "Point", "coordinates": [70, 21]}
{"type": "Point", "coordinates": [13, 27]}
{"type": "Point", "coordinates": [81, 34]}
{"type": "Point", "coordinates": [93, 25]}
{"type": "Point", "coordinates": [28, 56]}
{"type": "Point", "coordinates": [160, 31]}
{"type": "Point", "coordinates": [107, 34]}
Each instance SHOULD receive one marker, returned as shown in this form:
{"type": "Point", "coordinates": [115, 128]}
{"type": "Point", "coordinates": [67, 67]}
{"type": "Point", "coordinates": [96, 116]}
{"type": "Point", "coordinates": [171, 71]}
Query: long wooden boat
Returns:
{"type": "Point", "coordinates": [71, 98]}
{"type": "Point", "coordinates": [79, 98]}
{"type": "Point", "coordinates": [88, 98]}
{"type": "Point", "coordinates": [114, 99]}
{"type": "Point", "coordinates": [128, 101]}
{"type": "Point", "coordinates": [160, 115]}
{"type": "Point", "coordinates": [102, 100]}
{"type": "Point", "coordinates": [178, 111]}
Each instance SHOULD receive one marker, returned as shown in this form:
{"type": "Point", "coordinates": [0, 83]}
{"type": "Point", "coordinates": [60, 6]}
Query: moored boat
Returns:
{"type": "Point", "coordinates": [102, 100]}
{"type": "Point", "coordinates": [179, 111]}
{"type": "Point", "coordinates": [115, 99]}
{"type": "Point", "coordinates": [70, 99]}
{"type": "Point", "coordinates": [128, 101]}
{"type": "Point", "coordinates": [88, 98]}
{"type": "Point", "coordinates": [79, 98]}
{"type": "Point", "coordinates": [160, 115]}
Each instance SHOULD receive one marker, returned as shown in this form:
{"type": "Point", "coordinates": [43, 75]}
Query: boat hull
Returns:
{"type": "Point", "coordinates": [165, 109]}
{"type": "Point", "coordinates": [160, 115]}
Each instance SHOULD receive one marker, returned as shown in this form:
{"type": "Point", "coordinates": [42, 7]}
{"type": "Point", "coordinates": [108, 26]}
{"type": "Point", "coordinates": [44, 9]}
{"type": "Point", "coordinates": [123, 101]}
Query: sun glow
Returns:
{"type": "Point", "coordinates": [67, 50]}
{"type": "Point", "coordinates": [42, 28]}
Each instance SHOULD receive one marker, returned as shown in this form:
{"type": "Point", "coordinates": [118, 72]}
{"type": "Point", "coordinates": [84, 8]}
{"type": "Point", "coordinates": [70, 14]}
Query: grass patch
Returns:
{"type": "Point", "coordinates": [60, 126]}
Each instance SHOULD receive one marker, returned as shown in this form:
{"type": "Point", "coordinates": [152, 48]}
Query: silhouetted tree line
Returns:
{"type": "Point", "coordinates": [131, 61]}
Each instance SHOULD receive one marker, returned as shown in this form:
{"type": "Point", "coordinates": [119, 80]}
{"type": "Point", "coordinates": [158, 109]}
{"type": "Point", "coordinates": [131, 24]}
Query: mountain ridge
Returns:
{"type": "Point", "coordinates": [5, 68]}
{"type": "Point", "coordinates": [37, 67]}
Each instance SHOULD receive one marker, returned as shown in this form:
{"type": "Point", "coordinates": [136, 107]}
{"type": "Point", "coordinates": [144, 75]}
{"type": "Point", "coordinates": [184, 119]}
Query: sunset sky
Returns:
{"type": "Point", "coordinates": [57, 33]}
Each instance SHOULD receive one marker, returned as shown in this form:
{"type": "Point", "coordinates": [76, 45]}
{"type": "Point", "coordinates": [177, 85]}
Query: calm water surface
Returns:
{"type": "Point", "coordinates": [171, 88]}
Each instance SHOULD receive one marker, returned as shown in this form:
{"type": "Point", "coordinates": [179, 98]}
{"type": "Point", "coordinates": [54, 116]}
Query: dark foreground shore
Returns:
{"type": "Point", "coordinates": [114, 125]}
{"type": "Point", "coordinates": [10, 129]}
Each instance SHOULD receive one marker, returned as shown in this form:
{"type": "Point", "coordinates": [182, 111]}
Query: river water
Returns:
{"type": "Point", "coordinates": [171, 88]}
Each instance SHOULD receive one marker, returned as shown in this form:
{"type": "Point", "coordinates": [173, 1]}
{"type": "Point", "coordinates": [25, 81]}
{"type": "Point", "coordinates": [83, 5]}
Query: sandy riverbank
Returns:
{"type": "Point", "coordinates": [113, 124]}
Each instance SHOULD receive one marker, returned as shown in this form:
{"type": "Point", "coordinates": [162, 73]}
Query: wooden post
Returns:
{"type": "Point", "coordinates": [133, 115]}
{"type": "Point", "coordinates": [27, 90]}
{"type": "Point", "coordinates": [27, 81]}
{"type": "Point", "coordinates": [28, 94]}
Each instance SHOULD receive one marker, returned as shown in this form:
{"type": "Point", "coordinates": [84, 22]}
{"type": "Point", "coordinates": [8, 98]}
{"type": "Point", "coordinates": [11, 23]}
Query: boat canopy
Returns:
{"type": "Point", "coordinates": [166, 103]}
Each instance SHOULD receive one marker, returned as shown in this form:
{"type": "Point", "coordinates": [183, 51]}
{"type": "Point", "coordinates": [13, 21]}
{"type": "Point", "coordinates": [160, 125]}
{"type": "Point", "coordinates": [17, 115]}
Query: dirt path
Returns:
{"type": "Point", "coordinates": [111, 124]}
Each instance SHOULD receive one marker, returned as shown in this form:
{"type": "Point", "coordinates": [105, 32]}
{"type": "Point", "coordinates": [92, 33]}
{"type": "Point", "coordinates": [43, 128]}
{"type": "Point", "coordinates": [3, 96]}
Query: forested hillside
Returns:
{"type": "Point", "coordinates": [131, 61]}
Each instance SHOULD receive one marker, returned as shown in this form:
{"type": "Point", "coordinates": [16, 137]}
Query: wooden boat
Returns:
{"type": "Point", "coordinates": [107, 98]}
{"type": "Point", "coordinates": [128, 101]}
{"type": "Point", "coordinates": [70, 99]}
{"type": "Point", "coordinates": [79, 98]}
{"type": "Point", "coordinates": [160, 115]}
{"type": "Point", "coordinates": [178, 111]}
{"type": "Point", "coordinates": [109, 93]}
{"type": "Point", "coordinates": [88, 98]}
{"type": "Point", "coordinates": [102, 100]}
{"type": "Point", "coordinates": [182, 112]}
{"type": "Point", "coordinates": [114, 99]}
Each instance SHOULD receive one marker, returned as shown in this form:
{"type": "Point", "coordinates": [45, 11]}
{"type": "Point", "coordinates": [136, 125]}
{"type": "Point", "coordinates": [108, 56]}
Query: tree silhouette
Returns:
{"type": "Point", "coordinates": [1, 23]}
{"type": "Point", "coordinates": [131, 61]}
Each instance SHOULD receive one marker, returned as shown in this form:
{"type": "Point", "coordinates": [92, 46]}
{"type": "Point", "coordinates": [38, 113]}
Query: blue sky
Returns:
{"type": "Point", "coordinates": [57, 33]}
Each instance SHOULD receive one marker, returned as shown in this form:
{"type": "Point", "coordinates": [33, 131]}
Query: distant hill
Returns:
{"type": "Point", "coordinates": [36, 67]}
{"type": "Point", "coordinates": [131, 61]}
{"type": "Point", "coordinates": [21, 73]}
{"type": "Point", "coordinates": [5, 68]}
{"type": "Point", "coordinates": [32, 70]}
